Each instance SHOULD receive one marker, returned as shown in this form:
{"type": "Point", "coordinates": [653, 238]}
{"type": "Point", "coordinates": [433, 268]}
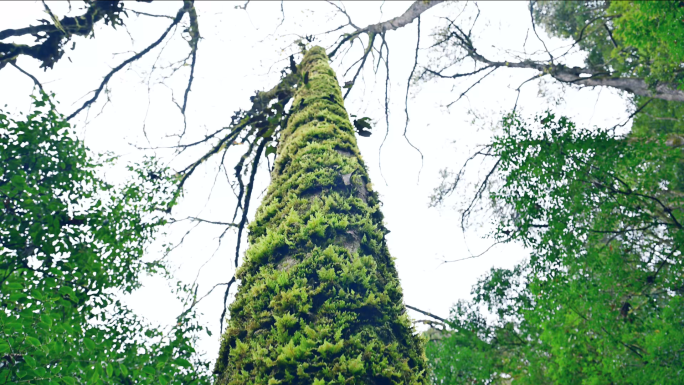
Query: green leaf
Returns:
{"type": "Point", "coordinates": [95, 377]}
{"type": "Point", "coordinates": [66, 290]}
{"type": "Point", "coordinates": [182, 362]}
{"type": "Point", "coordinates": [14, 286]}
{"type": "Point", "coordinates": [30, 361]}
{"type": "Point", "coordinates": [46, 318]}
{"type": "Point", "coordinates": [90, 344]}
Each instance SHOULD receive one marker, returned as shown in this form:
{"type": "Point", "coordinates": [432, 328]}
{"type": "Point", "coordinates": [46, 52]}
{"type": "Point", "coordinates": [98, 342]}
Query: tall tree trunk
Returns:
{"type": "Point", "coordinates": [319, 300]}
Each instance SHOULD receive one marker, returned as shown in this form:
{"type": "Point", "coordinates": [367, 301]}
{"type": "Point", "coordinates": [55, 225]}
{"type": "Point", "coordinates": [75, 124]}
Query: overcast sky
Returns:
{"type": "Point", "coordinates": [242, 51]}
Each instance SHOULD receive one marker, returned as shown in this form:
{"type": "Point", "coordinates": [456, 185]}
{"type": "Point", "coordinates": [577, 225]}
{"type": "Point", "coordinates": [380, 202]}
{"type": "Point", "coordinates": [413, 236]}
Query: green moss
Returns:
{"type": "Point", "coordinates": [319, 300]}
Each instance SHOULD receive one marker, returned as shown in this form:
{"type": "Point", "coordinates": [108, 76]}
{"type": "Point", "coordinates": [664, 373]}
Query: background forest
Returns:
{"type": "Point", "coordinates": [528, 157]}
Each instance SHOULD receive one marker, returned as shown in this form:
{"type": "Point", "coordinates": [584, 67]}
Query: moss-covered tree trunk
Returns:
{"type": "Point", "coordinates": [319, 301]}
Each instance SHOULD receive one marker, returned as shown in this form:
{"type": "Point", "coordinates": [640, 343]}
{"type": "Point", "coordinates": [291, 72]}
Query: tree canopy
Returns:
{"type": "Point", "coordinates": [599, 299]}
{"type": "Point", "coordinates": [70, 243]}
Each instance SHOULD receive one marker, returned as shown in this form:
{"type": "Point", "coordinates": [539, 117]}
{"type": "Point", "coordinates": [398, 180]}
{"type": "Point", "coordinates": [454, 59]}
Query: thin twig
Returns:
{"type": "Point", "coordinates": [408, 87]}
{"type": "Point", "coordinates": [133, 58]}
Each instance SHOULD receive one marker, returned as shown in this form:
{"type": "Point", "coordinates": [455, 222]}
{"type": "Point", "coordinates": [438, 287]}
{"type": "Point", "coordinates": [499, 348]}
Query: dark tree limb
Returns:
{"type": "Point", "coordinates": [52, 36]}
{"type": "Point", "coordinates": [471, 87]}
{"type": "Point", "coordinates": [193, 30]}
{"type": "Point", "coordinates": [427, 313]}
{"type": "Point", "coordinates": [35, 81]}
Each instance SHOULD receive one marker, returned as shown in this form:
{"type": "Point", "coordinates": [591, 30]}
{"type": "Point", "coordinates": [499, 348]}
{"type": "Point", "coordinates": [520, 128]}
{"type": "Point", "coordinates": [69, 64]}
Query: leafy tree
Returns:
{"type": "Point", "coordinates": [600, 300]}
{"type": "Point", "coordinates": [69, 243]}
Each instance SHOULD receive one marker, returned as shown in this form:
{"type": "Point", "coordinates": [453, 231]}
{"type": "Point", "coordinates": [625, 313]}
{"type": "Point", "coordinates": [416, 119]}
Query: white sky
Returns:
{"type": "Point", "coordinates": [235, 54]}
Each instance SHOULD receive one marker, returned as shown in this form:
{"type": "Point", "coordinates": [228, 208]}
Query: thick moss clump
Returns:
{"type": "Point", "coordinates": [319, 301]}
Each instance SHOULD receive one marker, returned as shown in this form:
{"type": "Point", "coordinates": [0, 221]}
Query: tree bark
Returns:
{"type": "Point", "coordinates": [319, 300]}
{"type": "Point", "coordinates": [414, 11]}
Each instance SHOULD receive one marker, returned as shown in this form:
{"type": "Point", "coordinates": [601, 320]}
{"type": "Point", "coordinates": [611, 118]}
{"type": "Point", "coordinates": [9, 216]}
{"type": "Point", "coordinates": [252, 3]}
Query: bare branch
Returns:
{"type": "Point", "coordinates": [149, 14]}
{"type": "Point", "coordinates": [408, 87]}
{"type": "Point", "coordinates": [537, 76]}
{"type": "Point", "coordinates": [243, 222]}
{"type": "Point", "coordinates": [471, 87]}
{"type": "Point", "coordinates": [585, 77]}
{"type": "Point", "coordinates": [344, 12]}
{"type": "Point", "coordinates": [194, 40]}
{"type": "Point", "coordinates": [534, 29]}
{"type": "Point", "coordinates": [195, 219]}
{"type": "Point", "coordinates": [427, 313]}
{"type": "Point", "coordinates": [415, 10]}
{"type": "Point", "coordinates": [632, 115]}
{"type": "Point", "coordinates": [35, 81]}
{"type": "Point", "coordinates": [384, 43]}
{"type": "Point", "coordinates": [225, 301]}
{"type": "Point", "coordinates": [248, 196]}
{"type": "Point", "coordinates": [186, 6]}
{"type": "Point", "coordinates": [371, 40]}
{"type": "Point", "coordinates": [478, 194]}
{"type": "Point", "coordinates": [440, 195]}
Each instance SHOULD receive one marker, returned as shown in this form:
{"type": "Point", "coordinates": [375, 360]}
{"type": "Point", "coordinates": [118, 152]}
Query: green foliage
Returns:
{"type": "Point", "coordinates": [362, 124]}
{"type": "Point", "coordinates": [601, 299]}
{"type": "Point", "coordinates": [583, 21]}
{"type": "Point", "coordinates": [69, 243]}
{"type": "Point", "coordinates": [628, 38]}
{"type": "Point", "coordinates": [658, 118]}
{"type": "Point", "coordinates": [319, 299]}
{"type": "Point", "coordinates": [655, 29]}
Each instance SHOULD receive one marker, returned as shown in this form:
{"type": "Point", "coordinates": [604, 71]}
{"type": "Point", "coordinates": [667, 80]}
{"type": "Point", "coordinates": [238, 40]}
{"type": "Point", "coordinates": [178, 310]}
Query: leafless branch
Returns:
{"type": "Point", "coordinates": [584, 77]}
{"type": "Point", "coordinates": [139, 13]}
{"type": "Point", "coordinates": [427, 313]}
{"type": "Point", "coordinates": [478, 194]}
{"type": "Point", "coordinates": [415, 10]}
{"type": "Point", "coordinates": [408, 87]}
{"type": "Point", "coordinates": [440, 195]}
{"type": "Point", "coordinates": [193, 29]}
{"type": "Point", "coordinates": [35, 81]}
{"type": "Point", "coordinates": [186, 6]}
{"type": "Point", "coordinates": [387, 75]}
{"type": "Point", "coordinates": [371, 40]}
{"type": "Point", "coordinates": [632, 115]}
{"type": "Point", "coordinates": [534, 29]}
{"type": "Point", "coordinates": [195, 219]}
{"type": "Point", "coordinates": [471, 87]}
